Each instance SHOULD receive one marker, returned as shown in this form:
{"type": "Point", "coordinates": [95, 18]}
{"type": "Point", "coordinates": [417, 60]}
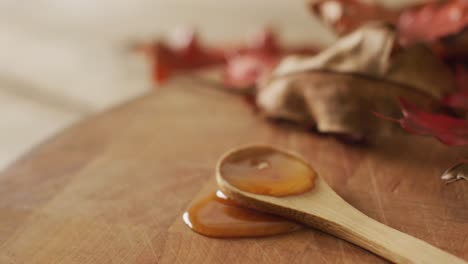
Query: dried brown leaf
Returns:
{"type": "Point", "coordinates": [418, 67]}
{"type": "Point", "coordinates": [364, 51]}
{"type": "Point", "coordinates": [338, 89]}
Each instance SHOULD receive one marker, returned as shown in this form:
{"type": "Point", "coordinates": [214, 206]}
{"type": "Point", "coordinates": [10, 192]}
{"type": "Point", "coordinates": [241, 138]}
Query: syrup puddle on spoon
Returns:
{"type": "Point", "coordinates": [261, 170]}
{"type": "Point", "coordinates": [267, 171]}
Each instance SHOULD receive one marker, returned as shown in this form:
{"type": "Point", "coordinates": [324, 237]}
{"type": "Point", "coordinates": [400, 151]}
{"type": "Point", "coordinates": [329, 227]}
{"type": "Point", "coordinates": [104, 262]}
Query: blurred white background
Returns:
{"type": "Point", "coordinates": [61, 60]}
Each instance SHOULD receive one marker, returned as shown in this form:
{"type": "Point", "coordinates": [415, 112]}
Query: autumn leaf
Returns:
{"type": "Point", "coordinates": [433, 20]}
{"type": "Point", "coordinates": [337, 89]}
{"type": "Point", "coordinates": [241, 65]}
{"type": "Point", "coordinates": [443, 24]}
{"type": "Point", "coordinates": [184, 54]}
{"type": "Point", "coordinates": [448, 130]}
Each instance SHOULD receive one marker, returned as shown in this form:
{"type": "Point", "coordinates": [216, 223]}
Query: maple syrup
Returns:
{"type": "Point", "coordinates": [217, 216]}
{"type": "Point", "coordinates": [264, 170]}
{"type": "Point", "coordinates": [261, 170]}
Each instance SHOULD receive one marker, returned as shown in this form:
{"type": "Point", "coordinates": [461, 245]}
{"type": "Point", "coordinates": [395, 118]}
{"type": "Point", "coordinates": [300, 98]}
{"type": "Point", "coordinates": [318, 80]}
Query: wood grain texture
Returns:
{"type": "Point", "coordinates": [113, 189]}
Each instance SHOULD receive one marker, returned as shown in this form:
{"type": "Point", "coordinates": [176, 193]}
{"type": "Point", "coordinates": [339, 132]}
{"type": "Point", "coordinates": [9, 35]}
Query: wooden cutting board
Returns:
{"type": "Point", "coordinates": [112, 189]}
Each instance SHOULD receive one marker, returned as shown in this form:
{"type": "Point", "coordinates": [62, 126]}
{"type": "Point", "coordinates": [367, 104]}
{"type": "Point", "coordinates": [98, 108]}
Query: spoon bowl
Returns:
{"type": "Point", "coordinates": [323, 209]}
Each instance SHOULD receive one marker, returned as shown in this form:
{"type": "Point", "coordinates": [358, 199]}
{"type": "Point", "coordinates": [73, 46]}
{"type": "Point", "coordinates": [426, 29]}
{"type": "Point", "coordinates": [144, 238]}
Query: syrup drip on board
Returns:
{"type": "Point", "coordinates": [217, 216]}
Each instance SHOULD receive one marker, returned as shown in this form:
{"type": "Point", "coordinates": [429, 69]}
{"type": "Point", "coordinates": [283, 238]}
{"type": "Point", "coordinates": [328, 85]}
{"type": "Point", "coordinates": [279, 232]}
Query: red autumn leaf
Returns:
{"type": "Point", "coordinates": [459, 99]}
{"type": "Point", "coordinates": [433, 20]}
{"type": "Point", "coordinates": [185, 54]}
{"type": "Point", "coordinates": [242, 65]}
{"type": "Point", "coordinates": [443, 24]}
{"type": "Point", "coordinates": [448, 130]}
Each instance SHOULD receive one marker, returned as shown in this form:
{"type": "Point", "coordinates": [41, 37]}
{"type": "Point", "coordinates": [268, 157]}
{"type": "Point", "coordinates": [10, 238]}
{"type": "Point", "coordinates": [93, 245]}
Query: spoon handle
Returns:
{"type": "Point", "coordinates": [384, 241]}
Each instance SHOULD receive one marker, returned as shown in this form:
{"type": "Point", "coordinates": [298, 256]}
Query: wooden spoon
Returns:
{"type": "Point", "coordinates": [323, 209]}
